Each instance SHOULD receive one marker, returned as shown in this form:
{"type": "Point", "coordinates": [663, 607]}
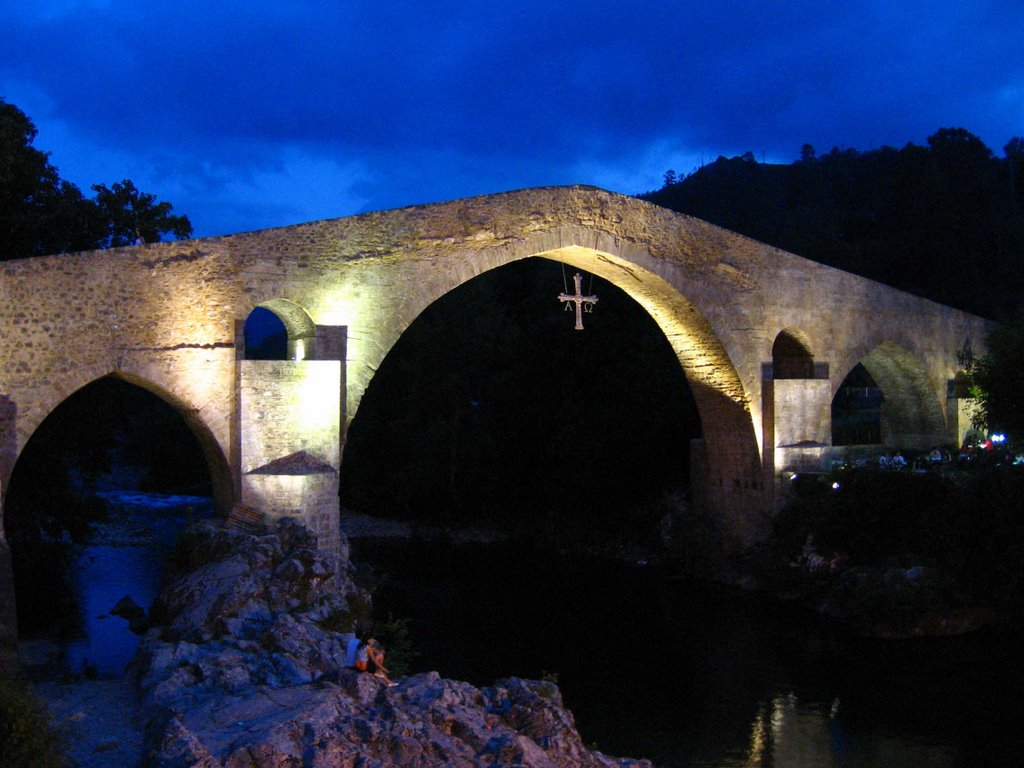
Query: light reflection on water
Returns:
{"type": "Point", "coordinates": [697, 677]}
{"type": "Point", "coordinates": [124, 557]}
{"type": "Point", "coordinates": [787, 733]}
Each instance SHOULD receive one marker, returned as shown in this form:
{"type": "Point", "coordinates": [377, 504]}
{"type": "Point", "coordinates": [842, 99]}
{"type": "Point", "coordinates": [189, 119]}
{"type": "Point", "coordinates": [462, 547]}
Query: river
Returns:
{"type": "Point", "coordinates": [687, 674]}
{"type": "Point", "coordinates": [124, 556]}
{"type": "Point", "coordinates": [694, 675]}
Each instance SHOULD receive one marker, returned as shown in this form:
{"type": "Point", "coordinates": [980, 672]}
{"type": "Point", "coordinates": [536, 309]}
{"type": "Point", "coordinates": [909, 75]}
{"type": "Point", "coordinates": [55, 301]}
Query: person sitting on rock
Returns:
{"type": "Point", "coordinates": [369, 657]}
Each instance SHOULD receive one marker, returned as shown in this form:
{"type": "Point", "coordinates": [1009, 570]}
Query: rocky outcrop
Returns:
{"type": "Point", "coordinates": [244, 665]}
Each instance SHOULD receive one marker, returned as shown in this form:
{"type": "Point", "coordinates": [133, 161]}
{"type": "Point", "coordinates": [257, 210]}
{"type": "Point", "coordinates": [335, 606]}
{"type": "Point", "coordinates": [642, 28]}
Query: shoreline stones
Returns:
{"type": "Point", "coordinates": [244, 666]}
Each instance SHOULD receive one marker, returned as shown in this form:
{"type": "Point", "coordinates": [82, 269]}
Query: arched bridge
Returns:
{"type": "Point", "coordinates": [764, 337]}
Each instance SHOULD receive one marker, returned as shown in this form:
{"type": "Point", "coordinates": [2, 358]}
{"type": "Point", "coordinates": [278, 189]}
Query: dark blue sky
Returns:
{"type": "Point", "coordinates": [253, 114]}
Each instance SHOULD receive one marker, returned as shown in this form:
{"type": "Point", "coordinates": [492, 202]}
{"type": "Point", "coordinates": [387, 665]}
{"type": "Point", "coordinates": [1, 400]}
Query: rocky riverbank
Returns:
{"type": "Point", "coordinates": [244, 665]}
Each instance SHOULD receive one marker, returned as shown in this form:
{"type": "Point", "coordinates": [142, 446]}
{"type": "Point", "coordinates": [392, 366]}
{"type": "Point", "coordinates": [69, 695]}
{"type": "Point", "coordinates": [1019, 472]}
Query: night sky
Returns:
{"type": "Point", "coordinates": [256, 114]}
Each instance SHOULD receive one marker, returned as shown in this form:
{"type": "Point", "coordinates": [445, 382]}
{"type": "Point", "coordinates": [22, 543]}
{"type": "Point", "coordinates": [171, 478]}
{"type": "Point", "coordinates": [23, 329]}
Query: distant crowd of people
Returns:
{"type": "Point", "coordinates": [971, 453]}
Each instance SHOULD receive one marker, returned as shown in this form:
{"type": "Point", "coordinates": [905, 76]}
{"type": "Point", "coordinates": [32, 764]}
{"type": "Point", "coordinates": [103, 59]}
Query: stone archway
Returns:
{"type": "Point", "coordinates": [911, 416]}
{"type": "Point", "coordinates": [491, 408]}
{"type": "Point", "coordinates": [791, 356]}
{"type": "Point", "coordinates": [301, 330]}
{"type": "Point", "coordinates": [137, 407]}
{"type": "Point", "coordinates": [221, 480]}
{"type": "Point", "coordinates": [727, 474]}
{"type": "Point", "coordinates": [220, 472]}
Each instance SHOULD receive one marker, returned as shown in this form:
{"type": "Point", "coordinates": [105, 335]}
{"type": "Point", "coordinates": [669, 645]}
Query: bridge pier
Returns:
{"type": "Point", "coordinates": [960, 411]}
{"type": "Point", "coordinates": [290, 427]}
{"type": "Point", "coordinates": [796, 420]}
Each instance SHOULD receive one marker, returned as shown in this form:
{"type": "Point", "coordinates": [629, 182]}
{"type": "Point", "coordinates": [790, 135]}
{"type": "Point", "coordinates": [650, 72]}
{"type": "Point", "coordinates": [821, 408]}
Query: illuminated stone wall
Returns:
{"type": "Point", "coordinates": [803, 423]}
{"type": "Point", "coordinates": [290, 433]}
{"type": "Point", "coordinates": [166, 316]}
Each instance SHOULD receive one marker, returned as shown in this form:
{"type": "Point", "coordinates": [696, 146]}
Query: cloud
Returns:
{"type": "Point", "coordinates": [403, 102]}
{"type": "Point", "coordinates": [303, 187]}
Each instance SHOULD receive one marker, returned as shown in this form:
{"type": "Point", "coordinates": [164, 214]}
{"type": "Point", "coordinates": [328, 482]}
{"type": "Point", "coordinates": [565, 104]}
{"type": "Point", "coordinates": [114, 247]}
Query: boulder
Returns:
{"type": "Point", "coordinates": [244, 665]}
{"type": "Point", "coordinates": [128, 609]}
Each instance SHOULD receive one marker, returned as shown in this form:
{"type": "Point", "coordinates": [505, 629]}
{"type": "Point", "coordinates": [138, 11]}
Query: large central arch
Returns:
{"type": "Point", "coordinates": [727, 473]}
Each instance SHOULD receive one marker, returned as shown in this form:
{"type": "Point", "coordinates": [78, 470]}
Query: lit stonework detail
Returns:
{"type": "Point", "coordinates": [165, 315]}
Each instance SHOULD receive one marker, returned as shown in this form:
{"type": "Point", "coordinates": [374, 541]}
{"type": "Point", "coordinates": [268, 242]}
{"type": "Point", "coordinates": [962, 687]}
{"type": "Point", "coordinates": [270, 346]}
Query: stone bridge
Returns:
{"type": "Point", "coordinates": [764, 337]}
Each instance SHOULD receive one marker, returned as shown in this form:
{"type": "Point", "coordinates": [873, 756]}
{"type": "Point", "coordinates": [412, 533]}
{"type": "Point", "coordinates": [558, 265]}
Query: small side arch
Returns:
{"type": "Point", "coordinates": [791, 356]}
{"type": "Point", "coordinates": [298, 325]}
{"type": "Point", "coordinates": [222, 484]}
{"type": "Point", "coordinates": [221, 480]}
{"type": "Point", "coordinates": [911, 415]}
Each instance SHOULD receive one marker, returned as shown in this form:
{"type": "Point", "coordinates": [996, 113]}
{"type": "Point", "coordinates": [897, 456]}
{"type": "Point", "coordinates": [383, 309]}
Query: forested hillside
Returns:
{"type": "Point", "coordinates": [944, 221]}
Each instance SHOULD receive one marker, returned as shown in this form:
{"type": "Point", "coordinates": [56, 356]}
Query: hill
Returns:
{"type": "Point", "coordinates": [944, 221]}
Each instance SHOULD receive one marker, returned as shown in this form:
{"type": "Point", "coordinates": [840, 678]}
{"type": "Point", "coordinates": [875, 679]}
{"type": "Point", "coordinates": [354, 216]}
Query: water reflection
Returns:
{"type": "Point", "coordinates": [693, 676]}
{"type": "Point", "coordinates": [124, 556]}
{"type": "Point", "coordinates": [788, 733]}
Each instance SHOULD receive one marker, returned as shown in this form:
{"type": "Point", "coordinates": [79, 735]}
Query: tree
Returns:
{"type": "Point", "coordinates": [959, 142]}
{"type": "Point", "coordinates": [1014, 150]}
{"type": "Point", "coordinates": [997, 380]}
{"type": "Point", "coordinates": [128, 216]}
{"type": "Point", "coordinates": [40, 213]}
{"type": "Point", "coordinates": [944, 221]}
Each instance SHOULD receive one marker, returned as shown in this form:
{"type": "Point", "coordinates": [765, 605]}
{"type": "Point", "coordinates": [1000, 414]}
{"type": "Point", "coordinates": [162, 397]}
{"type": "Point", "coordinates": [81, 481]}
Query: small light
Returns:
{"type": "Point", "coordinates": [835, 485]}
{"type": "Point", "coordinates": [999, 437]}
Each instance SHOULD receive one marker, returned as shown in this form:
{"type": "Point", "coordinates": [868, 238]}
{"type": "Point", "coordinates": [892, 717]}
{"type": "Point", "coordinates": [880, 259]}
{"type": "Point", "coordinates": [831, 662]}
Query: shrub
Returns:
{"type": "Point", "coordinates": [968, 528]}
{"type": "Point", "coordinates": [394, 636]}
{"type": "Point", "coordinates": [28, 737]}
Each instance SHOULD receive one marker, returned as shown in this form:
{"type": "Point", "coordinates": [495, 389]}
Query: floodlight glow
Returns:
{"type": "Point", "coordinates": [318, 399]}
{"type": "Point", "coordinates": [998, 437]}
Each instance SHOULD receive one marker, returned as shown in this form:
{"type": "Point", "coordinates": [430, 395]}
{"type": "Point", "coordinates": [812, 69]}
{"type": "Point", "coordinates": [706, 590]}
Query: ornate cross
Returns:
{"type": "Point", "coordinates": [579, 300]}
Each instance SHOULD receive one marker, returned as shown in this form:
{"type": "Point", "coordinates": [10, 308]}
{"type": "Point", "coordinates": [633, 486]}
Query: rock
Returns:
{"type": "Point", "coordinates": [239, 668]}
{"type": "Point", "coordinates": [128, 609]}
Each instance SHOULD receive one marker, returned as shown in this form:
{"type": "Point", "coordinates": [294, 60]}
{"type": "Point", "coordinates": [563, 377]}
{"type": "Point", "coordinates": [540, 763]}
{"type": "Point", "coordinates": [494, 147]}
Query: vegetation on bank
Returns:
{"type": "Point", "coordinates": [28, 736]}
{"type": "Point", "coordinates": [899, 553]}
{"type": "Point", "coordinates": [997, 380]}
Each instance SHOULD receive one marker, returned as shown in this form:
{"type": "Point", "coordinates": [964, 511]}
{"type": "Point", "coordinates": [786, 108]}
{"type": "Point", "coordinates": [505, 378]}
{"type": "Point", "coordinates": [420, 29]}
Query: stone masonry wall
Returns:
{"type": "Point", "coordinates": [164, 315]}
{"type": "Point", "coordinates": [289, 423]}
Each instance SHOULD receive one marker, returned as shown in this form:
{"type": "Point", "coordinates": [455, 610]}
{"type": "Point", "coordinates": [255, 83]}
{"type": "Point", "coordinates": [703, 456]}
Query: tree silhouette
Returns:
{"type": "Point", "coordinates": [127, 216]}
{"type": "Point", "coordinates": [40, 213]}
{"type": "Point", "coordinates": [997, 380]}
{"type": "Point", "coordinates": [944, 221]}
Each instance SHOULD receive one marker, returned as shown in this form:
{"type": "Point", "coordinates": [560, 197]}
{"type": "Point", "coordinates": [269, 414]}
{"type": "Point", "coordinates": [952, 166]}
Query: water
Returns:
{"type": "Point", "coordinates": [692, 675]}
{"type": "Point", "coordinates": [123, 557]}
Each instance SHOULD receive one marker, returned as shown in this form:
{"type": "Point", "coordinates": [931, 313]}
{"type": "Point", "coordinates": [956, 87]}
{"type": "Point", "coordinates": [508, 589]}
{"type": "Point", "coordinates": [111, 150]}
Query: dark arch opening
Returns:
{"type": "Point", "coordinates": [266, 337]}
{"type": "Point", "coordinates": [790, 358]}
{"type": "Point", "coordinates": [492, 408]}
{"type": "Point", "coordinates": [857, 410]}
{"type": "Point", "coordinates": [94, 503]}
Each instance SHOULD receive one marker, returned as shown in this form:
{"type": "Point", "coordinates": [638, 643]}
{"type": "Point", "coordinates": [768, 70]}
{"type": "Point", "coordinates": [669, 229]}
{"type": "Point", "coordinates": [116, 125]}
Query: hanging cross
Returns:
{"type": "Point", "coordinates": [579, 300]}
